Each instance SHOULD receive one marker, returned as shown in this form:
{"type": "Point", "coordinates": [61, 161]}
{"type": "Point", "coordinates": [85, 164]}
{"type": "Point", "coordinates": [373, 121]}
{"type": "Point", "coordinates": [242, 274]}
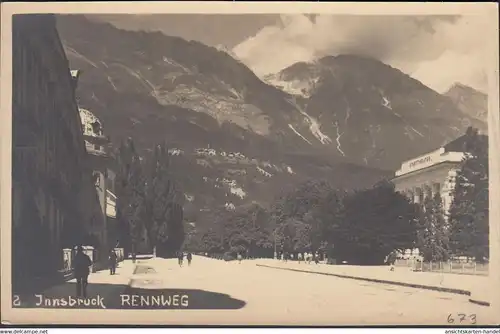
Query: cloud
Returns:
{"type": "Point", "coordinates": [437, 50]}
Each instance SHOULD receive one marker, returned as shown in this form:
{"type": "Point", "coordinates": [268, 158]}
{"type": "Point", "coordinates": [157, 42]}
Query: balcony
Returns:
{"type": "Point", "coordinates": [95, 149]}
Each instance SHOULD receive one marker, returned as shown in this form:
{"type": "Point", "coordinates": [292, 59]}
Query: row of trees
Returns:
{"type": "Point", "coordinates": [247, 230]}
{"type": "Point", "coordinates": [149, 202]}
{"type": "Point", "coordinates": [361, 227]}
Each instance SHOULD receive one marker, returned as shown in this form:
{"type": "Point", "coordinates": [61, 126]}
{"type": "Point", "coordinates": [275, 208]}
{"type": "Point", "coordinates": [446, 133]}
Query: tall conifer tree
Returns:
{"type": "Point", "coordinates": [469, 209]}
{"type": "Point", "coordinates": [433, 234]}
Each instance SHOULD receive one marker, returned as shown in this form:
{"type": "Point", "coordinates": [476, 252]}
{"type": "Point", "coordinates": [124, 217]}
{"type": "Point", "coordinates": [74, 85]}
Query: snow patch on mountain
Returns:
{"type": "Point", "coordinates": [314, 125]}
{"type": "Point", "coordinates": [416, 131]}
{"type": "Point", "coordinates": [176, 64]}
{"type": "Point", "coordinates": [298, 134]}
{"type": "Point", "coordinates": [79, 55]}
{"type": "Point", "coordinates": [315, 128]}
{"type": "Point", "coordinates": [112, 83]}
{"type": "Point", "coordinates": [386, 103]}
{"type": "Point", "coordinates": [145, 82]}
{"type": "Point", "coordinates": [339, 134]}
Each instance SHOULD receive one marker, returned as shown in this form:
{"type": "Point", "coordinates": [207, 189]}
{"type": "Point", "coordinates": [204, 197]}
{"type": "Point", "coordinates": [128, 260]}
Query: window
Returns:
{"type": "Point", "coordinates": [437, 188]}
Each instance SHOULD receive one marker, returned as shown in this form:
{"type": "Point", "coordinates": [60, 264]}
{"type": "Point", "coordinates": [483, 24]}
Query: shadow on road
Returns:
{"type": "Point", "coordinates": [119, 296]}
{"type": "Point", "coordinates": [194, 299]}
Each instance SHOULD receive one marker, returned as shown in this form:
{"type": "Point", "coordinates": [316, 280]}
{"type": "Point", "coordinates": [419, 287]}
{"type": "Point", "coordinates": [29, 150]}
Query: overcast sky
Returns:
{"type": "Point", "coordinates": [437, 50]}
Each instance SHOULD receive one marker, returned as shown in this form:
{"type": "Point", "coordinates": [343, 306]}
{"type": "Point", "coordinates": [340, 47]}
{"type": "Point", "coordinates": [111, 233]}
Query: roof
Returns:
{"type": "Point", "coordinates": [458, 145]}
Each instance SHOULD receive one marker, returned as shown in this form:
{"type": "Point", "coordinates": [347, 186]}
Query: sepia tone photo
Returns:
{"type": "Point", "coordinates": [178, 167]}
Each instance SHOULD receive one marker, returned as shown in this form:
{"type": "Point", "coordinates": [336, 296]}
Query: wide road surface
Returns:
{"type": "Point", "coordinates": [259, 295]}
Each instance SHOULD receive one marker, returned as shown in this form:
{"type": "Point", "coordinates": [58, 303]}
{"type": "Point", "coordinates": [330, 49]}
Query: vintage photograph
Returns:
{"type": "Point", "coordinates": [265, 169]}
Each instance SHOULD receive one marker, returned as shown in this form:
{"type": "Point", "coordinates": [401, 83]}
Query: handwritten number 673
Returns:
{"type": "Point", "coordinates": [461, 318]}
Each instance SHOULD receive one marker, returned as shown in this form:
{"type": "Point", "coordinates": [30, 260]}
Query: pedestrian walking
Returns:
{"type": "Point", "coordinates": [299, 257]}
{"type": "Point", "coordinates": [189, 257]}
{"type": "Point", "coordinates": [180, 258]}
{"type": "Point", "coordinates": [316, 258]}
{"type": "Point", "coordinates": [391, 259]}
{"type": "Point", "coordinates": [239, 258]}
{"type": "Point", "coordinates": [112, 262]}
{"type": "Point", "coordinates": [81, 269]}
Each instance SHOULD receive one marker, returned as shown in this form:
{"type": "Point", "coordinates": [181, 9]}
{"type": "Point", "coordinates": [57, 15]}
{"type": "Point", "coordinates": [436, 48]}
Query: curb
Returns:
{"type": "Point", "coordinates": [411, 285]}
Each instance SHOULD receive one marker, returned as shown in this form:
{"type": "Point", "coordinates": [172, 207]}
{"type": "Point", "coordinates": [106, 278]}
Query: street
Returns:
{"type": "Point", "coordinates": [221, 292]}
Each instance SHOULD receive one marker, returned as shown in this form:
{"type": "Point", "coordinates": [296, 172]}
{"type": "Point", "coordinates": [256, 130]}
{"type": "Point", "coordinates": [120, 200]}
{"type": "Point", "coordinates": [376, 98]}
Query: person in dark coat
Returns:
{"type": "Point", "coordinates": [112, 262]}
{"type": "Point", "coordinates": [189, 257]}
{"type": "Point", "coordinates": [81, 269]}
{"type": "Point", "coordinates": [180, 257]}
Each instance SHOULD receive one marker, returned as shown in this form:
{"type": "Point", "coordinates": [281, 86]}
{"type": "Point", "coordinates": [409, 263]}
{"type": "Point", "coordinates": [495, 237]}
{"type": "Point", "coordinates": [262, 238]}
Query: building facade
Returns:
{"type": "Point", "coordinates": [48, 151]}
{"type": "Point", "coordinates": [428, 174]}
{"type": "Point", "coordinates": [100, 162]}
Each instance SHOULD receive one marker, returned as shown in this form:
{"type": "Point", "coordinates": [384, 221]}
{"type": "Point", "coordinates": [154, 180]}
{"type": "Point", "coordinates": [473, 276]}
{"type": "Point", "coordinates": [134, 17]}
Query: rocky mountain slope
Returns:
{"type": "Point", "coordinates": [373, 111]}
{"type": "Point", "coordinates": [470, 101]}
{"type": "Point", "coordinates": [236, 138]}
{"type": "Point", "coordinates": [227, 130]}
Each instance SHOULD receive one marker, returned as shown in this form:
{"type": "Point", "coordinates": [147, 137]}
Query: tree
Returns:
{"type": "Point", "coordinates": [130, 195]}
{"type": "Point", "coordinates": [171, 231]}
{"type": "Point", "coordinates": [433, 232]}
{"type": "Point", "coordinates": [314, 203]}
{"type": "Point", "coordinates": [164, 210]}
{"type": "Point", "coordinates": [294, 236]}
{"type": "Point", "coordinates": [135, 212]}
{"type": "Point", "coordinates": [468, 214]}
{"type": "Point", "coordinates": [299, 202]}
{"type": "Point", "coordinates": [302, 237]}
{"type": "Point", "coordinates": [211, 242]}
{"type": "Point", "coordinates": [378, 221]}
{"type": "Point", "coordinates": [325, 219]}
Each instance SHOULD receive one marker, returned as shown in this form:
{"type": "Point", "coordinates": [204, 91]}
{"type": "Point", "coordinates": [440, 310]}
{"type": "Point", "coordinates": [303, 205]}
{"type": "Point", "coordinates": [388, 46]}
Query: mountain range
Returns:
{"type": "Point", "coordinates": [236, 137]}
